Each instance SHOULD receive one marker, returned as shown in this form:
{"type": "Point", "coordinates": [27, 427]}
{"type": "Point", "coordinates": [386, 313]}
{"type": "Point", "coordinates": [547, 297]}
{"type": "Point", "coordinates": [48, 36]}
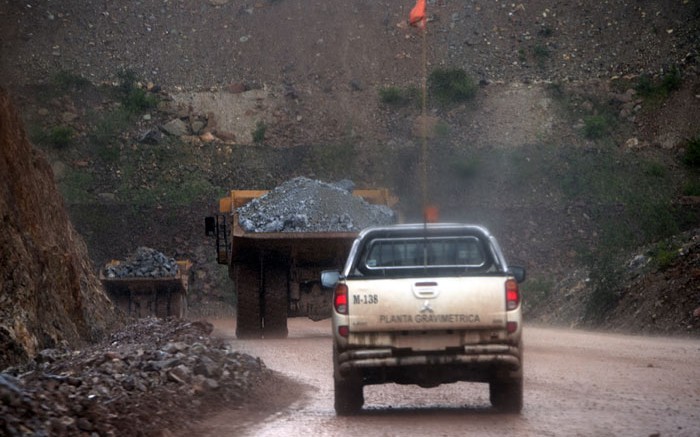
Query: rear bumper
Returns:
{"type": "Point", "coordinates": [486, 359]}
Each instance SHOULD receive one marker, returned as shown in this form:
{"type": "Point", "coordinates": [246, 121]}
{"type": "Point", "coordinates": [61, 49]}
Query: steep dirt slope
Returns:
{"type": "Point", "coordinates": [49, 295]}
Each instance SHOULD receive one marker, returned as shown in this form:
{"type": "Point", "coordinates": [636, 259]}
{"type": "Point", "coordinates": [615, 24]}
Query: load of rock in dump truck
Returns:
{"type": "Point", "coordinates": [276, 243]}
{"type": "Point", "coordinates": [148, 283]}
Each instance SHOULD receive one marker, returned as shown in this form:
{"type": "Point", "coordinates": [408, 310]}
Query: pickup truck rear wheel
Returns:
{"type": "Point", "coordinates": [507, 395]}
{"type": "Point", "coordinates": [348, 397]}
{"type": "Point", "coordinates": [248, 317]}
{"type": "Point", "coordinates": [348, 390]}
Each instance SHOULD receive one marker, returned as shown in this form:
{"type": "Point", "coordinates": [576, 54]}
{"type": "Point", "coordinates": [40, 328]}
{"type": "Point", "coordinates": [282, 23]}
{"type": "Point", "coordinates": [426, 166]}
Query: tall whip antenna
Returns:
{"type": "Point", "coordinates": [418, 18]}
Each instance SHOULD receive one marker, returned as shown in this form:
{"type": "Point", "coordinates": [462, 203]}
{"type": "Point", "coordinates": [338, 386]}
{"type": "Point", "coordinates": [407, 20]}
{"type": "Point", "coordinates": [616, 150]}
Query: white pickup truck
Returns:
{"type": "Point", "coordinates": [426, 304]}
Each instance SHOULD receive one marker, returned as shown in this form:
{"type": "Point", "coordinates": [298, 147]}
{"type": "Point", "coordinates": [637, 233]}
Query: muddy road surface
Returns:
{"type": "Point", "coordinates": [576, 384]}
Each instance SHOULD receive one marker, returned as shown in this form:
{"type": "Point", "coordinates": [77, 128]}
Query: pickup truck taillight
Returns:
{"type": "Point", "coordinates": [340, 299]}
{"type": "Point", "coordinates": [512, 295]}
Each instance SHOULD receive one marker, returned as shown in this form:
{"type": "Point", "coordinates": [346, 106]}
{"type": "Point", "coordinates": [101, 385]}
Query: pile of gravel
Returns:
{"type": "Point", "coordinates": [151, 378]}
{"type": "Point", "coordinates": [306, 205]}
{"type": "Point", "coordinates": [144, 263]}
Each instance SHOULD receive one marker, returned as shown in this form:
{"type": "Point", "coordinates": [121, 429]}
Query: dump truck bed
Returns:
{"type": "Point", "coordinates": [309, 247]}
{"type": "Point", "coordinates": [150, 296]}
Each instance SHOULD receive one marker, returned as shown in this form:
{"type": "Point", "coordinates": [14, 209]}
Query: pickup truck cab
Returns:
{"type": "Point", "coordinates": [426, 304]}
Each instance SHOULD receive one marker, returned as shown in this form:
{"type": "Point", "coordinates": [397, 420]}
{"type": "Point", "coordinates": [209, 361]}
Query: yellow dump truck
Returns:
{"type": "Point", "coordinates": [276, 275]}
{"type": "Point", "coordinates": [162, 296]}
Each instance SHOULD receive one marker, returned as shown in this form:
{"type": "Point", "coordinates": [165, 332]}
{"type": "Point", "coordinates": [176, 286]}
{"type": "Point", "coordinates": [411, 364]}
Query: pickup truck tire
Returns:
{"type": "Point", "coordinates": [248, 317]}
{"type": "Point", "coordinates": [507, 395]}
{"type": "Point", "coordinates": [348, 390]}
{"type": "Point", "coordinates": [276, 298]}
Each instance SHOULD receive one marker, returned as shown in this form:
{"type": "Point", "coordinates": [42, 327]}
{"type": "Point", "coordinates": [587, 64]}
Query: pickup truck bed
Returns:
{"type": "Point", "coordinates": [426, 304]}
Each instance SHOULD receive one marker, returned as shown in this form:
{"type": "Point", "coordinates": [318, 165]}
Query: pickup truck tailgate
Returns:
{"type": "Point", "coordinates": [451, 303]}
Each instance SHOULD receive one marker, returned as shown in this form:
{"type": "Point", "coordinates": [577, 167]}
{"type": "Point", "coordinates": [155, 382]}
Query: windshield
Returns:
{"type": "Point", "coordinates": [424, 256]}
{"type": "Point", "coordinates": [420, 252]}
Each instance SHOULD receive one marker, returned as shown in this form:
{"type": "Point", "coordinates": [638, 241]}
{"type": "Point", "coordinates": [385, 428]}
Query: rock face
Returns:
{"type": "Point", "coordinates": [48, 291]}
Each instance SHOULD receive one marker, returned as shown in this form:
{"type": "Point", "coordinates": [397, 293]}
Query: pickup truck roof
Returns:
{"type": "Point", "coordinates": [433, 249]}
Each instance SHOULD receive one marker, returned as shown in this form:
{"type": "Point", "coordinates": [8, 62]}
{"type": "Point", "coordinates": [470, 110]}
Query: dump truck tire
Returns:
{"type": "Point", "coordinates": [185, 305]}
{"type": "Point", "coordinates": [178, 305]}
{"type": "Point", "coordinates": [248, 316]}
{"type": "Point", "coordinates": [276, 298]}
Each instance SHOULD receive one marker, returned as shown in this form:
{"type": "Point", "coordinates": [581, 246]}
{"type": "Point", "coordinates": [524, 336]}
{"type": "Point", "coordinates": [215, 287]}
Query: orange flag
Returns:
{"type": "Point", "coordinates": [417, 17]}
{"type": "Point", "coordinates": [431, 214]}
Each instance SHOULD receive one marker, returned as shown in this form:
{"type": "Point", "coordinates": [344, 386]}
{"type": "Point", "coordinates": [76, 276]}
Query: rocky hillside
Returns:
{"type": "Point", "coordinates": [49, 294]}
{"type": "Point", "coordinates": [572, 147]}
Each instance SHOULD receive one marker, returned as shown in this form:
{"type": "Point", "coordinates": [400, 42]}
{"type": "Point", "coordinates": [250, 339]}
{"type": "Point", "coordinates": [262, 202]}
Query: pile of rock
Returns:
{"type": "Point", "coordinates": [145, 380]}
{"type": "Point", "coordinates": [144, 263]}
{"type": "Point", "coordinates": [306, 205]}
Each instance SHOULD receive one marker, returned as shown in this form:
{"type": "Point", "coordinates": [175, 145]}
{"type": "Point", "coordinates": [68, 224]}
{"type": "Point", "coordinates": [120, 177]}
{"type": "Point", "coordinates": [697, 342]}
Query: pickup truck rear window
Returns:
{"type": "Point", "coordinates": [411, 253]}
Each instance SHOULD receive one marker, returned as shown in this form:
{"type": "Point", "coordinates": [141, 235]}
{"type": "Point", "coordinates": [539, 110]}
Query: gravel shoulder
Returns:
{"type": "Point", "coordinates": [154, 377]}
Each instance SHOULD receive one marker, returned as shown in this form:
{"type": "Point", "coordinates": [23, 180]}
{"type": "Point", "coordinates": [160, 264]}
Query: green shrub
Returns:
{"type": "Point", "coordinates": [537, 289]}
{"type": "Point", "coordinates": [691, 157]}
{"type": "Point", "coordinates": [665, 257]}
{"type": "Point", "coordinates": [60, 136]}
{"type": "Point", "coordinates": [333, 161]}
{"type": "Point", "coordinates": [556, 90]}
{"type": "Point", "coordinates": [36, 134]}
{"type": "Point", "coordinates": [671, 81]}
{"type": "Point", "coordinates": [65, 81]}
{"type": "Point", "coordinates": [660, 88]}
{"type": "Point", "coordinates": [442, 129]}
{"type": "Point", "coordinates": [452, 85]}
{"type": "Point", "coordinates": [391, 96]}
{"type": "Point", "coordinates": [605, 283]}
{"type": "Point", "coordinates": [595, 126]}
{"type": "Point", "coordinates": [106, 129]}
{"type": "Point", "coordinates": [138, 100]}
{"type": "Point", "coordinates": [192, 188]}
{"type": "Point", "coordinates": [259, 132]}
{"type": "Point", "coordinates": [691, 188]}
{"type": "Point", "coordinates": [655, 169]}
{"type": "Point", "coordinates": [76, 186]}
{"type": "Point", "coordinates": [630, 206]}
{"type": "Point", "coordinates": [127, 81]}
{"type": "Point", "coordinates": [396, 96]}
{"type": "Point", "coordinates": [645, 86]}
{"type": "Point", "coordinates": [541, 53]}
{"type": "Point", "coordinates": [133, 98]}
{"type": "Point", "coordinates": [546, 31]}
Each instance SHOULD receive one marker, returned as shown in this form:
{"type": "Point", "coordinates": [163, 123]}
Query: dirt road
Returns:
{"type": "Point", "coordinates": [576, 383]}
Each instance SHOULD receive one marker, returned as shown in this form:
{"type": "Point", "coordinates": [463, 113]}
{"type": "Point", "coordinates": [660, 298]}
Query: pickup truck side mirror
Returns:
{"type": "Point", "coordinates": [518, 272]}
{"type": "Point", "coordinates": [329, 278]}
